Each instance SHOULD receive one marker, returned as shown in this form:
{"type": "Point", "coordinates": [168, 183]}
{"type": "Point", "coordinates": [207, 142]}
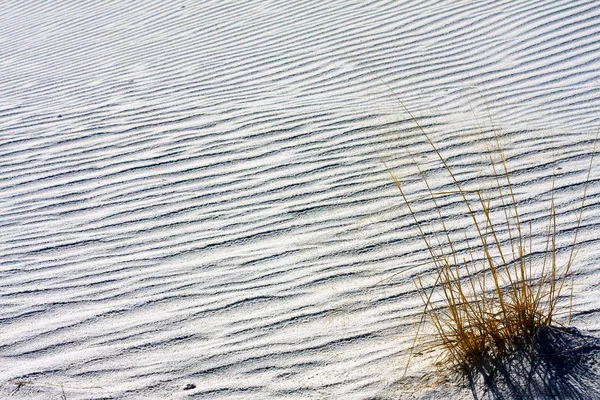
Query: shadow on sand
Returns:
{"type": "Point", "coordinates": [561, 364]}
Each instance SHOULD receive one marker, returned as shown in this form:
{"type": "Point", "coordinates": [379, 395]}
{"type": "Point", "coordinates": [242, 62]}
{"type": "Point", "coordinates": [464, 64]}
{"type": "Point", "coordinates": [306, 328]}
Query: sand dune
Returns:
{"type": "Point", "coordinates": [194, 193]}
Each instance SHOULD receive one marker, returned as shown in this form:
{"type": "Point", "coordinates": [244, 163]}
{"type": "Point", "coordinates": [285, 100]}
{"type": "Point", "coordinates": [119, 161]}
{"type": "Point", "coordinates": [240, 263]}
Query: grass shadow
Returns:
{"type": "Point", "coordinates": [562, 363]}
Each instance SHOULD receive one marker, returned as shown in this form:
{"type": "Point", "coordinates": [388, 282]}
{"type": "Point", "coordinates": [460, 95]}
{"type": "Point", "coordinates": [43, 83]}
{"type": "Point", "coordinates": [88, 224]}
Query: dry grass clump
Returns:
{"type": "Point", "coordinates": [492, 291]}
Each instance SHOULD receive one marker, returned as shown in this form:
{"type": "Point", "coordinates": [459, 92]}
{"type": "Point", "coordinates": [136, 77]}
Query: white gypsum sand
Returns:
{"type": "Point", "coordinates": [194, 202]}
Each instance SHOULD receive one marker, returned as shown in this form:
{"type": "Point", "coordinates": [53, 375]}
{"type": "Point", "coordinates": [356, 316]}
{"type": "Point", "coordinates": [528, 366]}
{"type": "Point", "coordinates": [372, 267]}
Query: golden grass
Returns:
{"type": "Point", "coordinates": [497, 295]}
{"type": "Point", "coordinates": [493, 291]}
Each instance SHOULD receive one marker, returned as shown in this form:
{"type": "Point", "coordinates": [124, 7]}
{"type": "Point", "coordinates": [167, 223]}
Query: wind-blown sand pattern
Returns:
{"type": "Point", "coordinates": [194, 201]}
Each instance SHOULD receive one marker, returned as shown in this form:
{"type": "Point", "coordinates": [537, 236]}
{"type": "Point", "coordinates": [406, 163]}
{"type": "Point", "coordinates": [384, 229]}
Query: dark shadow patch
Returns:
{"type": "Point", "coordinates": [562, 363]}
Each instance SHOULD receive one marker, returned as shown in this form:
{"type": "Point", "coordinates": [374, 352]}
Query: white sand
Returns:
{"type": "Point", "coordinates": [193, 192]}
